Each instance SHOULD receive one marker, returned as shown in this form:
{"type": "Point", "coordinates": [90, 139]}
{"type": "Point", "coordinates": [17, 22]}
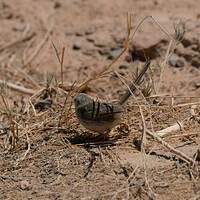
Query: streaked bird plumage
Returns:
{"type": "Point", "coordinates": [95, 115]}
{"type": "Point", "coordinates": [100, 116]}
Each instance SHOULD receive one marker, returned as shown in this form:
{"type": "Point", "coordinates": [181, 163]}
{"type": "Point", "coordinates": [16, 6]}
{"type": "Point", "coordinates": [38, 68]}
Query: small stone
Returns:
{"type": "Point", "coordinates": [101, 42]}
{"type": "Point", "coordinates": [122, 73]}
{"type": "Point", "coordinates": [190, 38]}
{"type": "Point", "coordinates": [123, 67]}
{"type": "Point", "coordinates": [186, 42]}
{"type": "Point", "coordinates": [137, 143]}
{"type": "Point", "coordinates": [90, 30]}
{"type": "Point", "coordinates": [19, 27]}
{"type": "Point", "coordinates": [90, 39]}
{"type": "Point", "coordinates": [197, 85]}
{"type": "Point", "coordinates": [25, 185]}
{"type": "Point", "coordinates": [114, 52]}
{"type": "Point", "coordinates": [79, 34]}
{"type": "Point", "coordinates": [8, 15]}
{"type": "Point", "coordinates": [195, 47]}
{"type": "Point", "coordinates": [57, 5]}
{"type": "Point", "coordinates": [198, 16]}
{"type": "Point", "coordinates": [175, 61]}
{"type": "Point", "coordinates": [104, 51]}
{"type": "Point", "coordinates": [155, 3]}
{"type": "Point", "coordinates": [77, 45]}
{"type": "Point", "coordinates": [195, 62]}
{"type": "Point", "coordinates": [88, 52]}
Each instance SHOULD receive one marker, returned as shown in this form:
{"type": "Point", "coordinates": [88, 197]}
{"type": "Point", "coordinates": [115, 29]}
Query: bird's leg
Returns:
{"type": "Point", "coordinates": [104, 135]}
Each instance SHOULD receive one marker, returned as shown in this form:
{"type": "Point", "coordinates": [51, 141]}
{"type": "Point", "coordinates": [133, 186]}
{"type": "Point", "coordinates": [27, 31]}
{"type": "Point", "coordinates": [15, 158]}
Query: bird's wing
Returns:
{"type": "Point", "coordinates": [100, 111]}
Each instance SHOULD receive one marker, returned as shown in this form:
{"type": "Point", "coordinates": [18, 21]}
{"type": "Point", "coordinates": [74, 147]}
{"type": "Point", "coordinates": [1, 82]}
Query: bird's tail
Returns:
{"type": "Point", "coordinates": [137, 82]}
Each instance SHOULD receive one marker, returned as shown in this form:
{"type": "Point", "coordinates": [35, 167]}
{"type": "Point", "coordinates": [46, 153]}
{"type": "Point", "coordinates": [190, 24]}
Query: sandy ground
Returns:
{"type": "Point", "coordinates": [43, 161]}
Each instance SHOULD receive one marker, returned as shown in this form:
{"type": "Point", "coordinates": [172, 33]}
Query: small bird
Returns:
{"type": "Point", "coordinates": [100, 116]}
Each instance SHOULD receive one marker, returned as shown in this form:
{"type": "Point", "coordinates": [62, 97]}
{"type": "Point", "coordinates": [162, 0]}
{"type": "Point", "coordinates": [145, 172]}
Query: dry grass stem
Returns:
{"type": "Point", "coordinates": [144, 139]}
{"type": "Point", "coordinates": [60, 60]}
{"type": "Point", "coordinates": [143, 145]}
{"type": "Point", "coordinates": [18, 88]}
{"type": "Point", "coordinates": [38, 48]}
{"type": "Point", "coordinates": [27, 151]}
{"type": "Point", "coordinates": [179, 30]}
{"type": "Point", "coordinates": [17, 41]}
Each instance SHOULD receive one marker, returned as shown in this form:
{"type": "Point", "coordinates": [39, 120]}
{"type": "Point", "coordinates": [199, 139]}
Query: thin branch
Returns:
{"type": "Point", "coordinates": [17, 41]}
{"type": "Point", "coordinates": [178, 153]}
{"type": "Point", "coordinates": [18, 88]}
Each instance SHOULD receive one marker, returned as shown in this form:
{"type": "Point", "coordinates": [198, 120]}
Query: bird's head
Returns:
{"type": "Point", "coordinates": [81, 99]}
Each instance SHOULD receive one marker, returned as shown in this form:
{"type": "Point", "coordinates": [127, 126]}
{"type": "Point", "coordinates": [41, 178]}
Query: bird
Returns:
{"type": "Point", "coordinates": [102, 116]}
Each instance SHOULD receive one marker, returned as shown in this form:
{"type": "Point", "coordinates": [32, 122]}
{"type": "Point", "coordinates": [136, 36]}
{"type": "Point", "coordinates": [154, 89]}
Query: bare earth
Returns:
{"type": "Point", "coordinates": [47, 161]}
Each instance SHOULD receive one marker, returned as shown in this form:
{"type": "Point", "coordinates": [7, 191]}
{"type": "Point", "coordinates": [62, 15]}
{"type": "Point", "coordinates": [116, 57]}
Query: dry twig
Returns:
{"type": "Point", "coordinates": [17, 41]}
{"type": "Point", "coordinates": [143, 144]}
{"type": "Point", "coordinates": [60, 60]}
{"type": "Point", "coordinates": [176, 127]}
{"type": "Point", "coordinates": [18, 88]}
{"type": "Point", "coordinates": [178, 153]}
{"type": "Point", "coordinates": [27, 151]}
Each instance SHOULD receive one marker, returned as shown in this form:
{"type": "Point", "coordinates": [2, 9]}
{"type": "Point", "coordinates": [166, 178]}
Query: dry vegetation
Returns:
{"type": "Point", "coordinates": [46, 154]}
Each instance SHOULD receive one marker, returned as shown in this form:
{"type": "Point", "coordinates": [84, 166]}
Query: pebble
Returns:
{"type": "Point", "coordinates": [197, 85]}
{"type": "Point", "coordinates": [176, 61]}
{"type": "Point", "coordinates": [123, 67]}
{"type": "Point", "coordinates": [90, 30]}
{"type": "Point", "coordinates": [25, 185]}
{"type": "Point", "coordinates": [90, 39]}
{"type": "Point", "coordinates": [195, 62]}
{"type": "Point", "coordinates": [186, 42]}
{"type": "Point", "coordinates": [79, 34]}
{"type": "Point", "coordinates": [77, 45]}
{"type": "Point", "coordinates": [113, 53]}
{"type": "Point", "coordinates": [57, 5]}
